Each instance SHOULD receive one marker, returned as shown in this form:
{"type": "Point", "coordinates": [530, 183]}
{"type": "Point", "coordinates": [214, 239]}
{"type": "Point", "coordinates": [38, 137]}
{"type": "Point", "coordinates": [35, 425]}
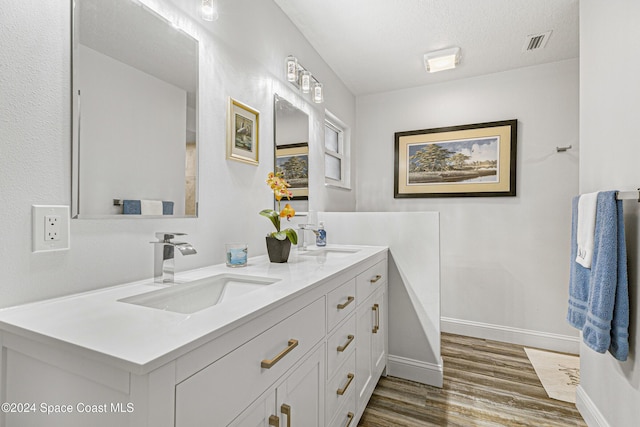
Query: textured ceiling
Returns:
{"type": "Point", "coordinates": [378, 45]}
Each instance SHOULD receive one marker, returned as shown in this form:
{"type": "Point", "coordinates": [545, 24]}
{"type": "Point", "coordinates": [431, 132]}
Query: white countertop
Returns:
{"type": "Point", "coordinates": [140, 339]}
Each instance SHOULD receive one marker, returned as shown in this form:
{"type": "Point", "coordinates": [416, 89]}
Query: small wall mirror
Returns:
{"type": "Point", "coordinates": [291, 157]}
{"type": "Point", "coordinates": [135, 108]}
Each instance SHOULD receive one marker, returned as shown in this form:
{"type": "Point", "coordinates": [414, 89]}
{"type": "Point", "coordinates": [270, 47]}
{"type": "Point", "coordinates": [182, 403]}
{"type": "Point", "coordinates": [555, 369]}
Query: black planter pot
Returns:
{"type": "Point", "coordinates": [278, 250]}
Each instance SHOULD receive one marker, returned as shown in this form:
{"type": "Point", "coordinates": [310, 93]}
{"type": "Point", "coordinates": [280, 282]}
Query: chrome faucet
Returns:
{"type": "Point", "coordinates": [302, 242]}
{"type": "Point", "coordinates": [164, 265]}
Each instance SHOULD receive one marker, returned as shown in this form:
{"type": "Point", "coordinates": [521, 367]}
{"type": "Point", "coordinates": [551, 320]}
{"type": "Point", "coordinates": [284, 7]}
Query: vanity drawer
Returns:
{"type": "Point", "coordinates": [219, 392]}
{"type": "Point", "coordinates": [340, 345]}
{"type": "Point", "coordinates": [346, 414]}
{"type": "Point", "coordinates": [370, 280]}
{"type": "Point", "coordinates": [340, 388]}
{"type": "Point", "coordinates": [340, 303]}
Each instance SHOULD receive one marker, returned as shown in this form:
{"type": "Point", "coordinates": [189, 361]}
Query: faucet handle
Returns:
{"type": "Point", "coordinates": [165, 236]}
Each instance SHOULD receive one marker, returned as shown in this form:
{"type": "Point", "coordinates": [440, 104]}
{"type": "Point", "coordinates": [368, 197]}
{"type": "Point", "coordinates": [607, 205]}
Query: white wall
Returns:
{"type": "Point", "coordinates": [414, 284]}
{"type": "Point", "coordinates": [609, 393]}
{"type": "Point", "coordinates": [504, 259]}
{"type": "Point", "coordinates": [124, 154]}
{"type": "Point", "coordinates": [243, 59]}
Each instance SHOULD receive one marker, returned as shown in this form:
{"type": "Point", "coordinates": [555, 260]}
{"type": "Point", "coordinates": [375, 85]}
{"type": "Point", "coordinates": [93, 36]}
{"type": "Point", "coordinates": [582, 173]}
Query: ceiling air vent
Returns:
{"type": "Point", "coordinates": [536, 41]}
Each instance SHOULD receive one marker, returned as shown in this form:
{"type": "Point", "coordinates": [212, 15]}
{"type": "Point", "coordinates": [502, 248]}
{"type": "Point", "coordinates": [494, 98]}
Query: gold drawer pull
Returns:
{"type": "Point", "coordinates": [376, 308]}
{"type": "Point", "coordinates": [375, 279]}
{"type": "Point", "coordinates": [342, 348]}
{"type": "Point", "coordinates": [274, 421]}
{"type": "Point", "coordinates": [350, 417]}
{"type": "Point", "coordinates": [341, 391]}
{"type": "Point", "coordinates": [286, 410]}
{"type": "Point", "coordinates": [266, 364]}
{"type": "Point", "coordinates": [349, 301]}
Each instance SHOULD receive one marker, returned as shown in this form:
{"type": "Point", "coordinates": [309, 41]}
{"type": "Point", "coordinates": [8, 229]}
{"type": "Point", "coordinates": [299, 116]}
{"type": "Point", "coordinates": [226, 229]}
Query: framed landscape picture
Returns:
{"type": "Point", "coordinates": [242, 133]}
{"type": "Point", "coordinates": [292, 161]}
{"type": "Point", "coordinates": [477, 160]}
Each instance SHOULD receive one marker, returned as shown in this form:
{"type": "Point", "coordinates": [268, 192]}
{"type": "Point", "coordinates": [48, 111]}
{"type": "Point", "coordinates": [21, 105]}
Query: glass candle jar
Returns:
{"type": "Point", "coordinates": [236, 254]}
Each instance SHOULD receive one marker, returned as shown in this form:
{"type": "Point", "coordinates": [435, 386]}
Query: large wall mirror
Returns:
{"type": "Point", "coordinates": [135, 108]}
{"type": "Point", "coordinates": [291, 155]}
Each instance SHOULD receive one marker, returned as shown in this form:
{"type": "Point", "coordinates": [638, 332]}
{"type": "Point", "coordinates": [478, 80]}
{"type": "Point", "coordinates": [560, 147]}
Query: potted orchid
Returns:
{"type": "Point", "coordinates": [279, 241]}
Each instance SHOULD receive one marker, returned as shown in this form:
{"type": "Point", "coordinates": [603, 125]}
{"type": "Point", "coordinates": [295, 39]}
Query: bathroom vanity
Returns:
{"type": "Point", "coordinates": [296, 344]}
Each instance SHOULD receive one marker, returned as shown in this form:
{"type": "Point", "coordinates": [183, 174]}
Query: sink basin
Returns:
{"type": "Point", "coordinates": [329, 252]}
{"type": "Point", "coordinates": [199, 294]}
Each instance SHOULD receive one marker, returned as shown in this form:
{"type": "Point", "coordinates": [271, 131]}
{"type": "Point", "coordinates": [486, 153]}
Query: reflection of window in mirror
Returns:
{"type": "Point", "coordinates": [336, 152]}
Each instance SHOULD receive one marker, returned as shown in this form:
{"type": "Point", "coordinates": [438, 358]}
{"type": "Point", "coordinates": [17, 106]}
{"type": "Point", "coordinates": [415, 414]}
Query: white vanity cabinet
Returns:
{"type": "Point", "coordinates": [222, 390]}
{"type": "Point", "coordinates": [371, 351]}
{"type": "Point", "coordinates": [296, 401]}
{"type": "Point", "coordinates": [310, 358]}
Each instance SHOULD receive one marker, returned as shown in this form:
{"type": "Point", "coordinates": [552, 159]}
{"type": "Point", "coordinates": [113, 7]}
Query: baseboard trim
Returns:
{"type": "Point", "coordinates": [526, 337]}
{"type": "Point", "coordinates": [416, 370]}
{"type": "Point", "coordinates": [589, 411]}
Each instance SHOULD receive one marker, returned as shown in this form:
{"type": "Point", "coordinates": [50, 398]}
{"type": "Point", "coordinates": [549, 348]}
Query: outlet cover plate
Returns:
{"type": "Point", "coordinates": [38, 236]}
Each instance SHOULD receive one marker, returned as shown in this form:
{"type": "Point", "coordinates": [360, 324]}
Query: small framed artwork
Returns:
{"type": "Point", "coordinates": [477, 160]}
{"type": "Point", "coordinates": [243, 123]}
{"type": "Point", "coordinates": [292, 161]}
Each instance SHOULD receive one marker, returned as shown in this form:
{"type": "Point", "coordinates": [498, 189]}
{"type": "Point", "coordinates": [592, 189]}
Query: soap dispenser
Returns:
{"type": "Point", "coordinates": [321, 237]}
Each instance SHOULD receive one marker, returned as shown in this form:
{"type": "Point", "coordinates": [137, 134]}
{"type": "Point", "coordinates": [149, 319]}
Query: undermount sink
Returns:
{"type": "Point", "coordinates": [329, 252]}
{"type": "Point", "coordinates": [187, 298]}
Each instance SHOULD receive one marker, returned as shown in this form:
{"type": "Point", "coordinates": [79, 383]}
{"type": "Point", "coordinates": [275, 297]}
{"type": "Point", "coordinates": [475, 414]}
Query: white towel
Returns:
{"type": "Point", "coordinates": [151, 207]}
{"type": "Point", "coordinates": [586, 228]}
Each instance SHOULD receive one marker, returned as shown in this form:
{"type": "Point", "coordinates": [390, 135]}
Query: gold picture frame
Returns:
{"type": "Point", "coordinates": [477, 160]}
{"type": "Point", "coordinates": [243, 132]}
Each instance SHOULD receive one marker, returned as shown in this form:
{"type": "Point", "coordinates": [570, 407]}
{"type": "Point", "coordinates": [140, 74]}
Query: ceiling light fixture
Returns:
{"type": "Point", "coordinates": [301, 78]}
{"type": "Point", "coordinates": [209, 10]}
{"type": "Point", "coordinates": [441, 60]}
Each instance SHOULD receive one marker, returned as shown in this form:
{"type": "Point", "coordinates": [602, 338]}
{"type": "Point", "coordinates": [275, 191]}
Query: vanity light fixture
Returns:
{"type": "Point", "coordinates": [441, 60]}
{"type": "Point", "coordinates": [303, 79]}
{"type": "Point", "coordinates": [209, 10]}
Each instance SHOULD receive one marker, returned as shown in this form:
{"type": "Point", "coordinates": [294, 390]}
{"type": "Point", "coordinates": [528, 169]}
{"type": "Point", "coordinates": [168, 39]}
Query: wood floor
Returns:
{"type": "Point", "coordinates": [486, 383]}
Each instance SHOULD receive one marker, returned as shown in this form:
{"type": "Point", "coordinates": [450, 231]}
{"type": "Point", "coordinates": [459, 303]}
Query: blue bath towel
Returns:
{"type": "Point", "coordinates": [599, 296]}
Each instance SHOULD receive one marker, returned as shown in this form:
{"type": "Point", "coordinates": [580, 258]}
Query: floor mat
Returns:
{"type": "Point", "coordinates": [558, 373]}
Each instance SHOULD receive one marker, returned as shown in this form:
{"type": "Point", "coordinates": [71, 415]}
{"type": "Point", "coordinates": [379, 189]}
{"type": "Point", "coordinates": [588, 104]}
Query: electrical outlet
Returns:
{"type": "Point", "coordinates": [50, 228]}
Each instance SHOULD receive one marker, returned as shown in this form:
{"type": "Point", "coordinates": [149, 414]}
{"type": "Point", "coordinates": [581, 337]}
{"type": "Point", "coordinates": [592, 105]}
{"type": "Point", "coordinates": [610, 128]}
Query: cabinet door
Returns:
{"type": "Point", "coordinates": [300, 398]}
{"type": "Point", "coordinates": [379, 332]}
{"type": "Point", "coordinates": [364, 369]}
{"type": "Point", "coordinates": [261, 413]}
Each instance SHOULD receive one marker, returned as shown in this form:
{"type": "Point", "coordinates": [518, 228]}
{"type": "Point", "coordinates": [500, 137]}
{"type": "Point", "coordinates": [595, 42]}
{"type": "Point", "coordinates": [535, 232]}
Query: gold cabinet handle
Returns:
{"type": "Point", "coordinates": [350, 417]}
{"type": "Point", "coordinates": [342, 348]}
{"type": "Point", "coordinates": [375, 279]}
{"type": "Point", "coordinates": [344, 305]}
{"type": "Point", "coordinates": [266, 364]}
{"type": "Point", "coordinates": [274, 421]}
{"type": "Point", "coordinates": [286, 410]}
{"type": "Point", "coordinates": [342, 390]}
{"type": "Point", "coordinates": [376, 308]}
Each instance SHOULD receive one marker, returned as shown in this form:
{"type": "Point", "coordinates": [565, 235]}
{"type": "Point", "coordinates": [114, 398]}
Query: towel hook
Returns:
{"type": "Point", "coordinates": [563, 149]}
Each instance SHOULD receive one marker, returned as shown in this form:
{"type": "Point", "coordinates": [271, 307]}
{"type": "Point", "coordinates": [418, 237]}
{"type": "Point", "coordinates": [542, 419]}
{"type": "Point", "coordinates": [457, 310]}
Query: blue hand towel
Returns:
{"type": "Point", "coordinates": [167, 208]}
{"type": "Point", "coordinates": [599, 297]}
{"type": "Point", "coordinates": [131, 207]}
